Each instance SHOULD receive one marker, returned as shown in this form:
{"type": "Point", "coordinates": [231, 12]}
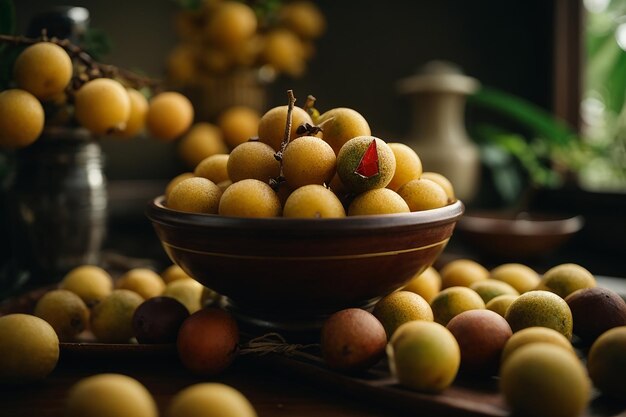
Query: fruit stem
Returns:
{"type": "Point", "coordinates": [275, 182]}
{"type": "Point", "coordinates": [93, 68]}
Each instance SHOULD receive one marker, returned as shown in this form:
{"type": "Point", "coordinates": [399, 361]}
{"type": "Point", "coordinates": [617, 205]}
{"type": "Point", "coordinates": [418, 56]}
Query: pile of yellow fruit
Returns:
{"type": "Point", "coordinates": [55, 88]}
{"type": "Point", "coordinates": [223, 36]}
{"type": "Point", "coordinates": [331, 166]}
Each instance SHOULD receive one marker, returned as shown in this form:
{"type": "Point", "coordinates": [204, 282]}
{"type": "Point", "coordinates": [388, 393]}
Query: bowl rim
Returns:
{"type": "Point", "coordinates": [157, 212]}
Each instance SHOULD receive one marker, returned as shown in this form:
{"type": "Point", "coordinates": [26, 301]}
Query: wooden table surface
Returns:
{"type": "Point", "coordinates": [273, 392]}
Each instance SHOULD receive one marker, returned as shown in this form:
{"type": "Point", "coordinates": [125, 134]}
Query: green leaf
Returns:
{"type": "Point", "coordinates": [96, 43]}
{"type": "Point", "coordinates": [541, 122]}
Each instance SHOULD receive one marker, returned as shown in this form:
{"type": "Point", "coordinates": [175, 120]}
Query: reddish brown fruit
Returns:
{"type": "Point", "coordinates": [594, 311]}
{"type": "Point", "coordinates": [481, 335]}
{"type": "Point", "coordinates": [208, 341]}
{"type": "Point", "coordinates": [352, 340]}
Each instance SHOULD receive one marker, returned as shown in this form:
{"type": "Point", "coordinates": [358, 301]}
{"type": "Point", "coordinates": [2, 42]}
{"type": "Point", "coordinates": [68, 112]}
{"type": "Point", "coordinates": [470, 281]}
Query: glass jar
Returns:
{"type": "Point", "coordinates": [57, 204]}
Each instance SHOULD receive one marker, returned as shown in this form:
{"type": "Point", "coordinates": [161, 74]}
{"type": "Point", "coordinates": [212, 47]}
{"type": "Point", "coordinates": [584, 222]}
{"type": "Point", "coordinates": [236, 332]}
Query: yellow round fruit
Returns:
{"type": "Point", "coordinates": [249, 198]}
{"type": "Point", "coordinates": [365, 163]}
{"type": "Point", "coordinates": [252, 160]}
{"type": "Point", "coordinates": [65, 311]}
{"type": "Point", "coordinates": [462, 273]}
{"type": "Point", "coordinates": [188, 291]}
{"type": "Point", "coordinates": [214, 168]}
{"type": "Point", "coordinates": [606, 362]}
{"type": "Point", "coordinates": [43, 69]}
{"type": "Point", "coordinates": [423, 194]}
{"type": "Point", "coordinates": [284, 51]}
{"type": "Point", "coordinates": [564, 279]}
{"type": "Point", "coordinates": [399, 307]}
{"type": "Point", "coordinates": [377, 201]}
{"type": "Point", "coordinates": [273, 124]}
{"type": "Point", "coordinates": [426, 284]}
{"type": "Point", "coordinates": [535, 335]}
{"type": "Point", "coordinates": [442, 181]}
{"type": "Point", "coordinates": [143, 281]}
{"type": "Point", "coordinates": [195, 195]}
{"type": "Point", "coordinates": [138, 112]}
{"type": "Point", "coordinates": [29, 349]}
{"type": "Point", "coordinates": [89, 282]}
{"type": "Point", "coordinates": [303, 17]}
{"type": "Point", "coordinates": [452, 301]}
{"type": "Point", "coordinates": [313, 201]}
{"type": "Point", "coordinates": [342, 124]}
{"type": "Point", "coordinates": [308, 160]}
{"type": "Point", "coordinates": [230, 24]}
{"type": "Point", "coordinates": [170, 114]}
{"type": "Point", "coordinates": [518, 276]}
{"type": "Point", "coordinates": [210, 399]}
{"type": "Point", "coordinates": [408, 165]}
{"type": "Point", "coordinates": [424, 356]}
{"type": "Point", "coordinates": [488, 289]}
{"type": "Point", "coordinates": [539, 380]}
{"type": "Point", "coordinates": [173, 273]}
{"type": "Point", "coordinates": [175, 181]}
{"type": "Point", "coordinates": [102, 106]}
{"type": "Point", "coordinates": [238, 124]}
{"type": "Point", "coordinates": [201, 141]}
{"type": "Point", "coordinates": [110, 395]}
{"type": "Point", "coordinates": [21, 118]}
{"type": "Point", "coordinates": [112, 318]}
{"type": "Point", "coordinates": [540, 308]}
{"type": "Point", "coordinates": [500, 304]}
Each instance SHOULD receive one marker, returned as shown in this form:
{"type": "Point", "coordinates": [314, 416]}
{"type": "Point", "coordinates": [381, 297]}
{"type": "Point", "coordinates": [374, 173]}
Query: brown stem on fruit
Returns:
{"type": "Point", "coordinates": [275, 182]}
{"type": "Point", "coordinates": [93, 69]}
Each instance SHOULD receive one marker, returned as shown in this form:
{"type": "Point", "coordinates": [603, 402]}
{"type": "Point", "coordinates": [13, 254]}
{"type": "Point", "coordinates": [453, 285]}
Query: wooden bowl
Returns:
{"type": "Point", "coordinates": [517, 236]}
{"type": "Point", "coordinates": [290, 273]}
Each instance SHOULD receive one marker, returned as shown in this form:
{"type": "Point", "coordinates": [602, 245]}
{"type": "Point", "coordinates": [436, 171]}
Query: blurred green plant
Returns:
{"type": "Point", "coordinates": [603, 107]}
{"type": "Point", "coordinates": [539, 151]}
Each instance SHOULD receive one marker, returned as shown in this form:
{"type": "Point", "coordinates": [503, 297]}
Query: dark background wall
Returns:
{"type": "Point", "coordinates": [369, 45]}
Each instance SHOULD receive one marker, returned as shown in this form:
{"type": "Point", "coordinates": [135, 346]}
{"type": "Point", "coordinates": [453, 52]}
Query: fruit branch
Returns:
{"type": "Point", "coordinates": [275, 182]}
{"type": "Point", "coordinates": [94, 69]}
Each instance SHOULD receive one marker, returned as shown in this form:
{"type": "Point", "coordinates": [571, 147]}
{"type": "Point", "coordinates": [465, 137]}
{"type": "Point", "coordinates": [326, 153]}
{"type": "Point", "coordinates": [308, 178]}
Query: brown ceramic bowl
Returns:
{"type": "Point", "coordinates": [517, 236]}
{"type": "Point", "coordinates": [281, 272]}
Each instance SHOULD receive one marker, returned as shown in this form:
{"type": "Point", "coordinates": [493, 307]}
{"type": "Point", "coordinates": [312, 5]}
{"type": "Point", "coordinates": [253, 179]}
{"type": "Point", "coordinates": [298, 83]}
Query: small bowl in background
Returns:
{"type": "Point", "coordinates": [289, 274]}
{"type": "Point", "coordinates": [520, 236]}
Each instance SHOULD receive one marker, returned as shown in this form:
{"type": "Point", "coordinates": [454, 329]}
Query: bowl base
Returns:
{"type": "Point", "coordinates": [293, 327]}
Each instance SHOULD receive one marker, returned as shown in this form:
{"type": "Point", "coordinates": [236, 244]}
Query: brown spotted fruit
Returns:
{"type": "Point", "coordinates": [352, 339]}
{"type": "Point", "coordinates": [594, 311]}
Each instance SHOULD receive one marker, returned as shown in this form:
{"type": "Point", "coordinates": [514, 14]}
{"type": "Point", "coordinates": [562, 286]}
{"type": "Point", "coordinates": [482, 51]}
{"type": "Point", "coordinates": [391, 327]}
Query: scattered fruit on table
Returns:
{"type": "Point", "coordinates": [210, 399]}
{"type": "Point", "coordinates": [545, 380]}
{"type": "Point", "coordinates": [594, 311]}
{"type": "Point", "coordinates": [540, 308]}
{"type": "Point", "coordinates": [564, 279]}
{"type": "Point", "coordinates": [535, 335]}
{"type": "Point", "coordinates": [489, 289]}
{"type": "Point", "coordinates": [89, 282]}
{"type": "Point", "coordinates": [110, 395]}
{"type": "Point", "coordinates": [500, 303]}
{"type": "Point", "coordinates": [352, 340]}
{"type": "Point", "coordinates": [518, 276]}
{"type": "Point", "coordinates": [143, 281]}
{"type": "Point", "coordinates": [424, 356]}
{"type": "Point", "coordinates": [481, 335]}
{"type": "Point", "coordinates": [400, 307]}
{"type": "Point", "coordinates": [29, 349]}
{"type": "Point", "coordinates": [65, 311]}
{"type": "Point", "coordinates": [606, 362]}
{"type": "Point", "coordinates": [188, 292]}
{"type": "Point", "coordinates": [452, 301]}
{"type": "Point", "coordinates": [463, 273]}
{"type": "Point", "coordinates": [208, 341]}
{"type": "Point", "coordinates": [173, 273]}
{"type": "Point", "coordinates": [112, 318]}
{"type": "Point", "coordinates": [426, 283]}
{"type": "Point", "coordinates": [158, 319]}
